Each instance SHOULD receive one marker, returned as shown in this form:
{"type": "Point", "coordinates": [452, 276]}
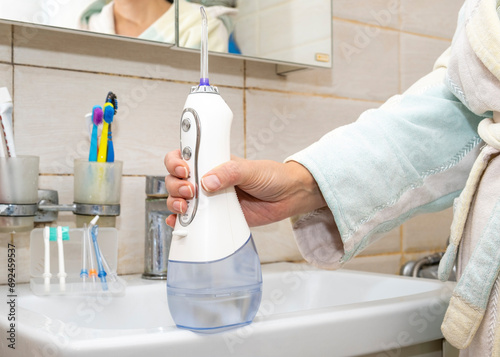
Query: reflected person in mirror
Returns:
{"type": "Point", "coordinates": [155, 20]}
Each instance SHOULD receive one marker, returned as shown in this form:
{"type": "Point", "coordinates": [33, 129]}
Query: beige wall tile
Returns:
{"type": "Point", "coordinates": [418, 55]}
{"type": "Point", "coordinates": [275, 242]}
{"type": "Point", "coordinates": [91, 53]}
{"type": "Point", "coordinates": [430, 17]}
{"type": "Point", "coordinates": [64, 187]}
{"type": "Point", "coordinates": [145, 129]}
{"type": "Point", "coordinates": [390, 243]}
{"type": "Point", "coordinates": [5, 43]}
{"type": "Point", "coordinates": [6, 77]}
{"type": "Point", "coordinates": [22, 258]}
{"type": "Point", "coordinates": [365, 66]}
{"type": "Point", "coordinates": [383, 13]}
{"type": "Point", "coordinates": [279, 125]}
{"type": "Point", "coordinates": [131, 226]}
{"type": "Point", "coordinates": [427, 232]}
{"type": "Point", "coordinates": [385, 264]}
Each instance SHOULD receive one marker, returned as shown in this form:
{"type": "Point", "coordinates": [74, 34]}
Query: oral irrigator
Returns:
{"type": "Point", "coordinates": [214, 280]}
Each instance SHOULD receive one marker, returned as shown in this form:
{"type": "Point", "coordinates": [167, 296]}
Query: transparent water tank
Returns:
{"type": "Point", "coordinates": [214, 296]}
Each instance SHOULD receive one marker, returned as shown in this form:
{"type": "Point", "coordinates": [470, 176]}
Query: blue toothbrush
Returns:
{"type": "Point", "coordinates": [96, 121]}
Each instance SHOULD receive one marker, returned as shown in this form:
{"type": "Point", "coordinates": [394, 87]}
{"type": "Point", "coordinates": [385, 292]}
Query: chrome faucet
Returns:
{"type": "Point", "coordinates": [158, 234]}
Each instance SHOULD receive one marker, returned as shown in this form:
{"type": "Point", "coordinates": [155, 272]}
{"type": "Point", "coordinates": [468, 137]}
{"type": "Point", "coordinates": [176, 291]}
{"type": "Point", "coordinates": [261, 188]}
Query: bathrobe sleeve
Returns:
{"type": "Point", "coordinates": [410, 156]}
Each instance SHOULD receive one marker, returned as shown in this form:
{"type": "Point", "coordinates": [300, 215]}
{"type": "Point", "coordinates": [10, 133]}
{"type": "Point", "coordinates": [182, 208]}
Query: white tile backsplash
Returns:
{"type": "Point", "coordinates": [5, 43]}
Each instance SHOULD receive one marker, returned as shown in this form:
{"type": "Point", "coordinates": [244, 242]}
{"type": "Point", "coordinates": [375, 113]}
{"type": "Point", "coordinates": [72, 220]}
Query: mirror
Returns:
{"type": "Point", "coordinates": [293, 31]}
{"type": "Point", "coordinates": [284, 31]}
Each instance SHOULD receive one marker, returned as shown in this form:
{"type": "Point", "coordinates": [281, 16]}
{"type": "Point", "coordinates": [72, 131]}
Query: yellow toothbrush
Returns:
{"type": "Point", "coordinates": [103, 146]}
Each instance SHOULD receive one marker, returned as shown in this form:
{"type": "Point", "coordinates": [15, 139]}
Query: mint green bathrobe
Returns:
{"type": "Point", "coordinates": [414, 155]}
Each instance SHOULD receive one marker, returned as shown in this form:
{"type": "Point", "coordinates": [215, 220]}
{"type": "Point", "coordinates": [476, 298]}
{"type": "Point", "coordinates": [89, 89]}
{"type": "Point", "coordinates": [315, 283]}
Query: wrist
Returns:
{"type": "Point", "coordinates": [305, 191]}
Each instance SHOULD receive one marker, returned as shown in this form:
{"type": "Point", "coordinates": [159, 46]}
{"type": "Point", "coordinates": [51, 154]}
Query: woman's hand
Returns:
{"type": "Point", "coordinates": [268, 191]}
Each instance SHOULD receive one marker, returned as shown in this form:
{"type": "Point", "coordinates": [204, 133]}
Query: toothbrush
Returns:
{"type": "Point", "coordinates": [62, 234]}
{"type": "Point", "coordinates": [111, 98]}
{"type": "Point", "coordinates": [84, 274]}
{"type": "Point", "coordinates": [96, 121]}
{"type": "Point", "coordinates": [102, 274]}
{"type": "Point", "coordinates": [46, 273]}
{"type": "Point", "coordinates": [108, 112]}
{"type": "Point", "coordinates": [6, 124]}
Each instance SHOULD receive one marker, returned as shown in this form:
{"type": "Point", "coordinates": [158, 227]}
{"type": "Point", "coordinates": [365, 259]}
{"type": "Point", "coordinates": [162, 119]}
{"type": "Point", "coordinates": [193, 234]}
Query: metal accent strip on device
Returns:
{"type": "Point", "coordinates": [198, 134]}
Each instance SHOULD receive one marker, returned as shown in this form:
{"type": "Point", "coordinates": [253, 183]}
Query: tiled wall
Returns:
{"type": "Point", "coordinates": [380, 48]}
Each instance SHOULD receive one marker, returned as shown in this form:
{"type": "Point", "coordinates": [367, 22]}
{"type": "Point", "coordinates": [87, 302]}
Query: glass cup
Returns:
{"type": "Point", "coordinates": [18, 186]}
{"type": "Point", "coordinates": [97, 183]}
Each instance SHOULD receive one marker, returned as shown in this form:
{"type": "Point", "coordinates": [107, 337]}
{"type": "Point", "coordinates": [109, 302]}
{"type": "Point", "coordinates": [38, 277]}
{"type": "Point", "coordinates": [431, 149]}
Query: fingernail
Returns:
{"type": "Point", "coordinates": [210, 183]}
{"type": "Point", "coordinates": [177, 206]}
{"type": "Point", "coordinates": [181, 171]}
{"type": "Point", "coordinates": [186, 191]}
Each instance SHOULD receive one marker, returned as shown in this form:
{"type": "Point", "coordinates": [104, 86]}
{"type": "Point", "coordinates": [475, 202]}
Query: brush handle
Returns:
{"type": "Point", "coordinates": [103, 147]}
{"type": "Point", "coordinates": [46, 271]}
{"type": "Point", "coordinates": [111, 150]}
{"type": "Point", "coordinates": [62, 273]}
{"type": "Point", "coordinates": [93, 144]}
{"type": "Point", "coordinates": [6, 124]}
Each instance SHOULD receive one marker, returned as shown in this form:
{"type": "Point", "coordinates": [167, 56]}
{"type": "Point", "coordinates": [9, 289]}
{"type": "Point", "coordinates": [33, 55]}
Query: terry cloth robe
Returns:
{"type": "Point", "coordinates": [414, 155]}
{"type": "Point", "coordinates": [98, 17]}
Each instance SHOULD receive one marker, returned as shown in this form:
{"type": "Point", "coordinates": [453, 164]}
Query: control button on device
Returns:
{"type": "Point", "coordinates": [186, 153]}
{"type": "Point", "coordinates": [186, 124]}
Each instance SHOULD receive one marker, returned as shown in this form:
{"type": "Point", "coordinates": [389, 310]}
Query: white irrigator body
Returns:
{"type": "Point", "coordinates": [214, 279]}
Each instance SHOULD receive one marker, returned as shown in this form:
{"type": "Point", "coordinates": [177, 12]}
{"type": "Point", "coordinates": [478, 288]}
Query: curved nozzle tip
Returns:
{"type": "Point", "coordinates": [94, 221]}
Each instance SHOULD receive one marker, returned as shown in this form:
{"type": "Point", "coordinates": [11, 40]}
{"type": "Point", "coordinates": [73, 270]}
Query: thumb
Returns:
{"type": "Point", "coordinates": [228, 174]}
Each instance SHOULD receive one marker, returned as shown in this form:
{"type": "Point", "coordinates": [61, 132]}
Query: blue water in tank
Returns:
{"type": "Point", "coordinates": [214, 296]}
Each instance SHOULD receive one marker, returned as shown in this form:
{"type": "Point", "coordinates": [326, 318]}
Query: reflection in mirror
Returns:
{"type": "Point", "coordinates": [285, 30]}
{"type": "Point", "coordinates": [152, 20]}
{"type": "Point", "coordinates": [145, 19]}
{"type": "Point", "coordinates": [293, 31]}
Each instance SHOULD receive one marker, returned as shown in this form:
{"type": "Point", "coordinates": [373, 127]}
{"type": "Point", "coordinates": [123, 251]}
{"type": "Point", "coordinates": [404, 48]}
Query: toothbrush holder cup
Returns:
{"type": "Point", "coordinates": [97, 189]}
{"type": "Point", "coordinates": [18, 193]}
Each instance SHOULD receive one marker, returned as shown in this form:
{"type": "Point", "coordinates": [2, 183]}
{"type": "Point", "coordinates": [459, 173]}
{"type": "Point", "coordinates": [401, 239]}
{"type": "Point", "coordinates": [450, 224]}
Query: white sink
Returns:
{"type": "Point", "coordinates": [304, 312]}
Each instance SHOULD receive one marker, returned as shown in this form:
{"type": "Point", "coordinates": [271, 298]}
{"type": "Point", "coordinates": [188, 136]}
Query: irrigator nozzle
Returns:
{"type": "Point", "coordinates": [204, 49]}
